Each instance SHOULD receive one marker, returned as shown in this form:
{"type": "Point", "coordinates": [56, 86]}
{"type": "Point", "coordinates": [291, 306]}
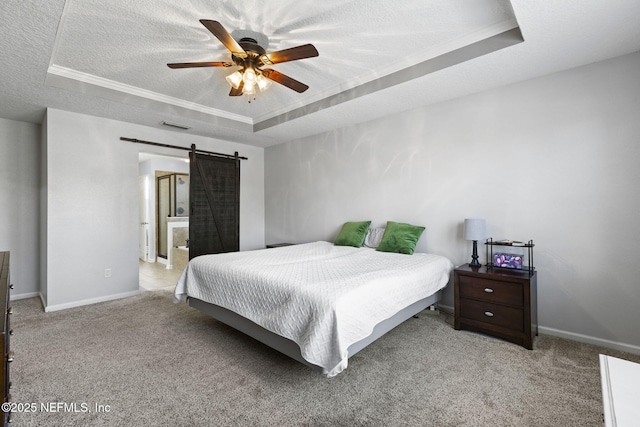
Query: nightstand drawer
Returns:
{"type": "Point", "coordinates": [499, 315]}
{"type": "Point", "coordinates": [491, 291]}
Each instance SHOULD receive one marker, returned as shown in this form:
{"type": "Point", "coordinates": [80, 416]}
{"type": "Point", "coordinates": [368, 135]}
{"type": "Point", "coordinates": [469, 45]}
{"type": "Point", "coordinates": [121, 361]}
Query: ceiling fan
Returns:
{"type": "Point", "coordinates": [251, 57]}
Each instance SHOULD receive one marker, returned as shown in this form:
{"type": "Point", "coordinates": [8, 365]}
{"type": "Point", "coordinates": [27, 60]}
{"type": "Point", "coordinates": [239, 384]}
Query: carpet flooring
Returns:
{"type": "Point", "coordinates": [145, 361]}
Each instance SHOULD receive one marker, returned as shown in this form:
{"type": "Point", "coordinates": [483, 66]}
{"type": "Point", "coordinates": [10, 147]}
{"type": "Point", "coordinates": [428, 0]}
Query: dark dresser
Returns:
{"type": "Point", "coordinates": [5, 333]}
{"type": "Point", "coordinates": [497, 301]}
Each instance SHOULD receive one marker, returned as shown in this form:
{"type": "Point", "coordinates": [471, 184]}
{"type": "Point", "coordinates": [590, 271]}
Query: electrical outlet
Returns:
{"type": "Point", "coordinates": [107, 273]}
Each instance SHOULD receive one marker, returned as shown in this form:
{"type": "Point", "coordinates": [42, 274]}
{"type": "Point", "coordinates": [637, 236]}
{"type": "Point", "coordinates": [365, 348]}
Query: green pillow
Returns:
{"type": "Point", "coordinates": [400, 238]}
{"type": "Point", "coordinates": [352, 234]}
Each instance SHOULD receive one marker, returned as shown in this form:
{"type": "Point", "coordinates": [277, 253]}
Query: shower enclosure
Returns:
{"type": "Point", "coordinates": [173, 201]}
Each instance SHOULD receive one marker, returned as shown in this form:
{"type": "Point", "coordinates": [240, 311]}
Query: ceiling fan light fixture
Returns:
{"type": "Point", "coordinates": [249, 77]}
{"type": "Point", "coordinates": [263, 82]}
{"type": "Point", "coordinates": [247, 54]}
{"type": "Point", "coordinates": [249, 89]}
{"type": "Point", "coordinates": [235, 79]}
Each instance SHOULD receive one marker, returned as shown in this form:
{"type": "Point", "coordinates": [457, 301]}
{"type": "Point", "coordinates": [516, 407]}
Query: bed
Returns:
{"type": "Point", "coordinates": [316, 302]}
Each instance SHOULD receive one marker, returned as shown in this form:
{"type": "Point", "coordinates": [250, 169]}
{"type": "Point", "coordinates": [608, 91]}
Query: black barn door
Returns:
{"type": "Point", "coordinates": [214, 196]}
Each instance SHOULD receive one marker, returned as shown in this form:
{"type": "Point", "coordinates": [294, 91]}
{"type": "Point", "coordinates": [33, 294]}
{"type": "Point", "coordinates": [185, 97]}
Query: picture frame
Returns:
{"type": "Point", "coordinates": [507, 260]}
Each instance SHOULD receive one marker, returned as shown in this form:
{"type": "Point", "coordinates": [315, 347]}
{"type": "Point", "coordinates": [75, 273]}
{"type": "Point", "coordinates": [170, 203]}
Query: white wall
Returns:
{"type": "Point", "coordinates": [92, 201]}
{"type": "Point", "coordinates": [43, 197]}
{"type": "Point", "coordinates": [92, 204]}
{"type": "Point", "coordinates": [554, 159]}
{"type": "Point", "coordinates": [19, 203]}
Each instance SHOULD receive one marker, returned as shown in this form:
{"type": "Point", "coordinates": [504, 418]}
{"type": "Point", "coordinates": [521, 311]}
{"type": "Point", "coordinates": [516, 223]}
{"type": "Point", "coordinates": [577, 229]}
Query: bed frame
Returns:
{"type": "Point", "coordinates": [290, 348]}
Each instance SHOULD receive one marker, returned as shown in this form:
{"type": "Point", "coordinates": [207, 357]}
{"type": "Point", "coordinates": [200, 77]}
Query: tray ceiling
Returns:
{"type": "Point", "coordinates": [376, 58]}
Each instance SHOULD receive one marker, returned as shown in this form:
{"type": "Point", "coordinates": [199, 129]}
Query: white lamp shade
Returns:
{"type": "Point", "coordinates": [474, 229]}
{"type": "Point", "coordinates": [249, 77]}
{"type": "Point", "coordinates": [263, 82]}
{"type": "Point", "coordinates": [249, 89]}
{"type": "Point", "coordinates": [235, 79]}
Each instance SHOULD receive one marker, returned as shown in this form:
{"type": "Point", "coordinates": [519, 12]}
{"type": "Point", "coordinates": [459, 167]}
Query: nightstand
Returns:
{"type": "Point", "coordinates": [497, 301]}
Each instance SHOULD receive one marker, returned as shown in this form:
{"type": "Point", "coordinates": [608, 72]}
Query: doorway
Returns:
{"type": "Point", "coordinates": [172, 212]}
{"type": "Point", "coordinates": [153, 271]}
{"type": "Point", "coordinates": [212, 204]}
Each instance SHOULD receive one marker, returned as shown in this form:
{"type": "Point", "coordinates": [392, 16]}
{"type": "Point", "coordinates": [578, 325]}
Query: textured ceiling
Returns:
{"type": "Point", "coordinates": [376, 57]}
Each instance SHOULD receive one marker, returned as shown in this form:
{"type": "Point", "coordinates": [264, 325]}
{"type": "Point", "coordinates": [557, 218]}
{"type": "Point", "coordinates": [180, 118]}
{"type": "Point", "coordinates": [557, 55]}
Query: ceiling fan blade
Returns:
{"type": "Point", "coordinates": [291, 54]}
{"type": "Point", "coordinates": [200, 64]}
{"type": "Point", "coordinates": [284, 80]}
{"type": "Point", "coordinates": [237, 92]}
{"type": "Point", "coordinates": [223, 35]}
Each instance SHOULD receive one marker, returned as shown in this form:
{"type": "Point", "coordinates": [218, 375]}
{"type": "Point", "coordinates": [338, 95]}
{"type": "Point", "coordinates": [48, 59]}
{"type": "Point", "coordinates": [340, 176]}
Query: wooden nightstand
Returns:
{"type": "Point", "coordinates": [5, 333]}
{"type": "Point", "coordinates": [496, 301]}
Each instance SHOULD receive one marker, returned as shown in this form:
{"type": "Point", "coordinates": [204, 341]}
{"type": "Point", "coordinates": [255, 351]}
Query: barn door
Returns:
{"type": "Point", "coordinates": [214, 196]}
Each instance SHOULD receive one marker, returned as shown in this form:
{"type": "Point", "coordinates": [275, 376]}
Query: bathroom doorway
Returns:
{"type": "Point", "coordinates": [156, 272]}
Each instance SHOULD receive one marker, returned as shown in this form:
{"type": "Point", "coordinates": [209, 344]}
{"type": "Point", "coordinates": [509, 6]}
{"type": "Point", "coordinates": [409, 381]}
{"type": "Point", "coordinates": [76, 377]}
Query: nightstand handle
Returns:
{"type": "Point", "coordinates": [488, 314]}
{"type": "Point", "coordinates": [488, 290]}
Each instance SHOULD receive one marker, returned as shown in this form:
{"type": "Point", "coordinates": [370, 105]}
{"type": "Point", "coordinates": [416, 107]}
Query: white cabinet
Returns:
{"type": "Point", "coordinates": [620, 391]}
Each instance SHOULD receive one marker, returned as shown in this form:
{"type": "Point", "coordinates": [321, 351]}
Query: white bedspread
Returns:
{"type": "Point", "coordinates": [322, 297]}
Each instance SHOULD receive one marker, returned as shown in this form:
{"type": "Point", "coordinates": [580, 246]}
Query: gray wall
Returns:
{"type": "Point", "coordinates": [92, 204]}
{"type": "Point", "coordinates": [554, 159]}
{"type": "Point", "coordinates": [69, 201]}
{"type": "Point", "coordinates": [92, 211]}
{"type": "Point", "coordinates": [19, 202]}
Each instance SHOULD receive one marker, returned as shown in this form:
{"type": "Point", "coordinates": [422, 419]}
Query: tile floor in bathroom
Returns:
{"type": "Point", "coordinates": [155, 276]}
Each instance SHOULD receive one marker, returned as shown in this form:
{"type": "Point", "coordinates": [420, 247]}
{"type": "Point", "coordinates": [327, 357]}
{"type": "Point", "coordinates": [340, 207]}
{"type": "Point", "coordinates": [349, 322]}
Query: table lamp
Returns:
{"type": "Point", "coordinates": [474, 229]}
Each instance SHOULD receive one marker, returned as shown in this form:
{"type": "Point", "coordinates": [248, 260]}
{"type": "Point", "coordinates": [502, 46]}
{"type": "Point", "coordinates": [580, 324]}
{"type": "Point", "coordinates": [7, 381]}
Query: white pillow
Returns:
{"type": "Point", "coordinates": [373, 237]}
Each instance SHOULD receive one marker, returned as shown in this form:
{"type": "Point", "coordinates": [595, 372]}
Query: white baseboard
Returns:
{"type": "Point", "coordinates": [446, 308]}
{"type": "Point", "coordinates": [629, 348]}
{"type": "Point", "coordinates": [615, 345]}
{"type": "Point", "coordinates": [16, 297]}
{"type": "Point", "coordinates": [90, 301]}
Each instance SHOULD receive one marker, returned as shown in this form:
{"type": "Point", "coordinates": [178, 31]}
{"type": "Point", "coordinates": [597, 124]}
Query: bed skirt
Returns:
{"type": "Point", "coordinates": [290, 348]}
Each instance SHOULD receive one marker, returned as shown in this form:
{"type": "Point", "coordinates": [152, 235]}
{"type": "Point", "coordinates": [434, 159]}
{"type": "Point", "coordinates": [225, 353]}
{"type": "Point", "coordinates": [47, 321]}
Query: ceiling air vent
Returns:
{"type": "Point", "coordinates": [174, 125]}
